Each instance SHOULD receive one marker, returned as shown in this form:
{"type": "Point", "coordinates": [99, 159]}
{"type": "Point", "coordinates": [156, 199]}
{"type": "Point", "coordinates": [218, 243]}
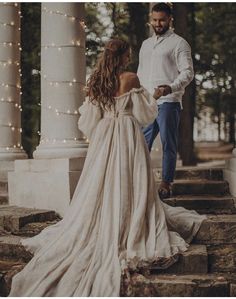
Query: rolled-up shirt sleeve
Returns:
{"type": "Point", "coordinates": [185, 66]}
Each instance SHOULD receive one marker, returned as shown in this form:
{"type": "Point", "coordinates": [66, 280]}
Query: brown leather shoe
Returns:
{"type": "Point", "coordinates": [164, 190]}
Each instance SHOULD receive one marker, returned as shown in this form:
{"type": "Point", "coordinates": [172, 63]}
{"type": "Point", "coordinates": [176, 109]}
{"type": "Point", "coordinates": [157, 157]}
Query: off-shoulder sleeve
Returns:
{"type": "Point", "coordinates": [144, 106]}
{"type": "Point", "coordinates": [90, 115]}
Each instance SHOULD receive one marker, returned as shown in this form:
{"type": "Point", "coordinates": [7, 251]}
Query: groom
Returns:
{"type": "Point", "coordinates": [165, 63]}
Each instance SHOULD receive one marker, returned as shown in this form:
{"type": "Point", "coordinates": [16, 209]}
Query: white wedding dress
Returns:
{"type": "Point", "coordinates": [116, 220]}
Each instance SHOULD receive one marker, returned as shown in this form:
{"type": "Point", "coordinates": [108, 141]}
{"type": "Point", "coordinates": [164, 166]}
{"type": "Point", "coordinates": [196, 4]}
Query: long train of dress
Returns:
{"type": "Point", "coordinates": [116, 220]}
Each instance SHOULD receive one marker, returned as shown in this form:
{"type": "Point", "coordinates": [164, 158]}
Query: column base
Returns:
{"type": "Point", "coordinates": [74, 150]}
{"type": "Point", "coordinates": [44, 184]}
{"type": "Point", "coordinates": [12, 154]}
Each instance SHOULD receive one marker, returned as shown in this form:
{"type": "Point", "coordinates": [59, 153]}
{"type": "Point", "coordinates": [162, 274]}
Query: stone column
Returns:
{"type": "Point", "coordinates": [230, 173]}
{"type": "Point", "coordinates": [63, 73]}
{"type": "Point", "coordinates": [60, 156]}
{"type": "Point", "coordinates": [10, 83]}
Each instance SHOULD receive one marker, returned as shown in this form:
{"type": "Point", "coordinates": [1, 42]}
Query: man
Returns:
{"type": "Point", "coordinates": [165, 63]}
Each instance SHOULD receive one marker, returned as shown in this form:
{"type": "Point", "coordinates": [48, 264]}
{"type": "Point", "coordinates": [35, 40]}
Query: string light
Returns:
{"type": "Point", "coordinates": [45, 140]}
{"type": "Point", "coordinates": [9, 101]}
{"type": "Point", "coordinates": [68, 112]}
{"type": "Point", "coordinates": [70, 17]}
{"type": "Point", "coordinates": [74, 43]}
{"type": "Point", "coordinates": [9, 62]}
{"type": "Point", "coordinates": [12, 24]}
{"type": "Point", "coordinates": [8, 86]}
{"type": "Point", "coordinates": [58, 83]}
{"type": "Point", "coordinates": [14, 147]}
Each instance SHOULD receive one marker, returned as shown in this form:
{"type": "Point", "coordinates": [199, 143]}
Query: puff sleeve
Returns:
{"type": "Point", "coordinates": [90, 116]}
{"type": "Point", "coordinates": [144, 106]}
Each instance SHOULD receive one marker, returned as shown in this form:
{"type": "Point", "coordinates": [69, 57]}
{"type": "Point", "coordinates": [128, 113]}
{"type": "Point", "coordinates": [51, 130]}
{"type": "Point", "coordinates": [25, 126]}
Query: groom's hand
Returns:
{"type": "Point", "coordinates": [166, 89]}
{"type": "Point", "coordinates": [158, 93]}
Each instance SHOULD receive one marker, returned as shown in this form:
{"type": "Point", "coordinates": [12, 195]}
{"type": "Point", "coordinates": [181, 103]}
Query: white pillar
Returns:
{"type": "Point", "coordinates": [10, 83]}
{"type": "Point", "coordinates": [230, 173]}
{"type": "Point", "coordinates": [63, 75]}
{"type": "Point", "coordinates": [61, 153]}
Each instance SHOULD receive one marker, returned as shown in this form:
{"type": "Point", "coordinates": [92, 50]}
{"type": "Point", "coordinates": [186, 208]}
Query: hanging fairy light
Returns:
{"type": "Point", "coordinates": [73, 82]}
{"type": "Point", "coordinates": [68, 16]}
{"type": "Point", "coordinates": [8, 63]}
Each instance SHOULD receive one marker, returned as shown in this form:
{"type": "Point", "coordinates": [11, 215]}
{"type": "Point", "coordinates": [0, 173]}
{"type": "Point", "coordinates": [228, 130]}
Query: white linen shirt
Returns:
{"type": "Point", "coordinates": [166, 60]}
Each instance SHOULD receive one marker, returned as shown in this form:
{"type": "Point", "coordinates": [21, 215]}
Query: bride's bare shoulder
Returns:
{"type": "Point", "coordinates": [128, 80]}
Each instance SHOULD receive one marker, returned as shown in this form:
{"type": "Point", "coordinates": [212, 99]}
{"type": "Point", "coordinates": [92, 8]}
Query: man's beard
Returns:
{"type": "Point", "coordinates": [163, 30]}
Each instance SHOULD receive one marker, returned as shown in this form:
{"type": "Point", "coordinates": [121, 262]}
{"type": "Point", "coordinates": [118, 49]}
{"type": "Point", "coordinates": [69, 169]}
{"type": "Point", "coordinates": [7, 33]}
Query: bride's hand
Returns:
{"type": "Point", "coordinates": [158, 92]}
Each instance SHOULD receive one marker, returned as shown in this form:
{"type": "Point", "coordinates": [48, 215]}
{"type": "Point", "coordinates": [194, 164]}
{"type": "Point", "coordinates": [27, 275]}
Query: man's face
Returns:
{"type": "Point", "coordinates": [160, 22]}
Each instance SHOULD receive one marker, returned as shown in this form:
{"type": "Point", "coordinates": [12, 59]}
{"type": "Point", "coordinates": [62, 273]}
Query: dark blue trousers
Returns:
{"type": "Point", "coordinates": [167, 123]}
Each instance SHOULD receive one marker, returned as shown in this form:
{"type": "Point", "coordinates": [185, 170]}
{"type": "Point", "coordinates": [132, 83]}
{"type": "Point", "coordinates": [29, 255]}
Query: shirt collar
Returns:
{"type": "Point", "coordinates": [166, 34]}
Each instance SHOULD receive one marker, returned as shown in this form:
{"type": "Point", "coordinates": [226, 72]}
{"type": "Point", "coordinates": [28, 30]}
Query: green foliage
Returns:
{"type": "Point", "coordinates": [215, 59]}
{"type": "Point", "coordinates": [113, 19]}
{"type": "Point", "coordinates": [30, 64]}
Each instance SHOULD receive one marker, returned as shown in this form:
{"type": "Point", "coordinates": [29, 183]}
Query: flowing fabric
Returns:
{"type": "Point", "coordinates": [116, 221]}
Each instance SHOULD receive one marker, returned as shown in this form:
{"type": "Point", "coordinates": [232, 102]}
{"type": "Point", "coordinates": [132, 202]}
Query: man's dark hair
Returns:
{"type": "Point", "coordinates": [162, 7]}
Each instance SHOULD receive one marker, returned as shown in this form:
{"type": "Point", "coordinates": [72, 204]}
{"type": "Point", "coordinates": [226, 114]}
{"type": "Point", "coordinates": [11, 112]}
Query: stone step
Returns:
{"type": "Point", "coordinates": [197, 187]}
{"type": "Point", "coordinates": [12, 218]}
{"type": "Point", "coordinates": [222, 258]}
{"type": "Point", "coordinates": [205, 204]}
{"type": "Point", "coordinates": [34, 228]}
{"type": "Point", "coordinates": [3, 198]}
{"type": "Point", "coordinates": [217, 229]}
{"type": "Point", "coordinates": [7, 274]}
{"type": "Point", "coordinates": [197, 173]}
{"type": "Point", "coordinates": [11, 248]}
{"type": "Point", "coordinates": [4, 185]}
{"type": "Point", "coordinates": [7, 264]}
{"type": "Point", "coordinates": [192, 261]}
{"type": "Point", "coordinates": [204, 285]}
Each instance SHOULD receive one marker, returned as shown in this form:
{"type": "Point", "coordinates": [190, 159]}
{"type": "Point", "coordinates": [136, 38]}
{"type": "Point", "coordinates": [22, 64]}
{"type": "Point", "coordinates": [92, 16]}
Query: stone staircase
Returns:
{"type": "Point", "coordinates": [207, 269]}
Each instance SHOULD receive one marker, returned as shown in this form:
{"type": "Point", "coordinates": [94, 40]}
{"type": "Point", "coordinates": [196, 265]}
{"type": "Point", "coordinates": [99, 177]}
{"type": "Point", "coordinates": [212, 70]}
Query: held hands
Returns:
{"type": "Point", "coordinates": [158, 93]}
{"type": "Point", "coordinates": [162, 90]}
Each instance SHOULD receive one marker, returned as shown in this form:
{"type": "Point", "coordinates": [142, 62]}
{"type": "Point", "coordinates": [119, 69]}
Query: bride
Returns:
{"type": "Point", "coordinates": [116, 221]}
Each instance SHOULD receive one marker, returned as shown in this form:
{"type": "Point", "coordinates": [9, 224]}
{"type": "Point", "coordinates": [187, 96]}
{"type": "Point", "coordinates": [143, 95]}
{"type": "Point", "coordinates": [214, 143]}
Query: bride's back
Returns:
{"type": "Point", "coordinates": [127, 81]}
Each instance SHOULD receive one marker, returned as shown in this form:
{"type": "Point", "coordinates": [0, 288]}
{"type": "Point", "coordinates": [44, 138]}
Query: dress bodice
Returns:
{"type": "Point", "coordinates": [137, 103]}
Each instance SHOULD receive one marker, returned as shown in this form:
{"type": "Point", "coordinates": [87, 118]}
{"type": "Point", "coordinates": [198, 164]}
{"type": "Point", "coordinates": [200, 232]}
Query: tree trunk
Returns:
{"type": "Point", "coordinates": [186, 28]}
{"type": "Point", "coordinates": [138, 30]}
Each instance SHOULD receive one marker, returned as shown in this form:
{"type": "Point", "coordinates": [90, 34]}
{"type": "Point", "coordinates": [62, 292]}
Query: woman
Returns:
{"type": "Point", "coordinates": [115, 222]}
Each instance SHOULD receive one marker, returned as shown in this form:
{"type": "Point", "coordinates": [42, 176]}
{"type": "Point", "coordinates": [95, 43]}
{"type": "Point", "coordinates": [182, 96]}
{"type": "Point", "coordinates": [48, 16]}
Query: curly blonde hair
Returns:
{"type": "Point", "coordinates": [104, 81]}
